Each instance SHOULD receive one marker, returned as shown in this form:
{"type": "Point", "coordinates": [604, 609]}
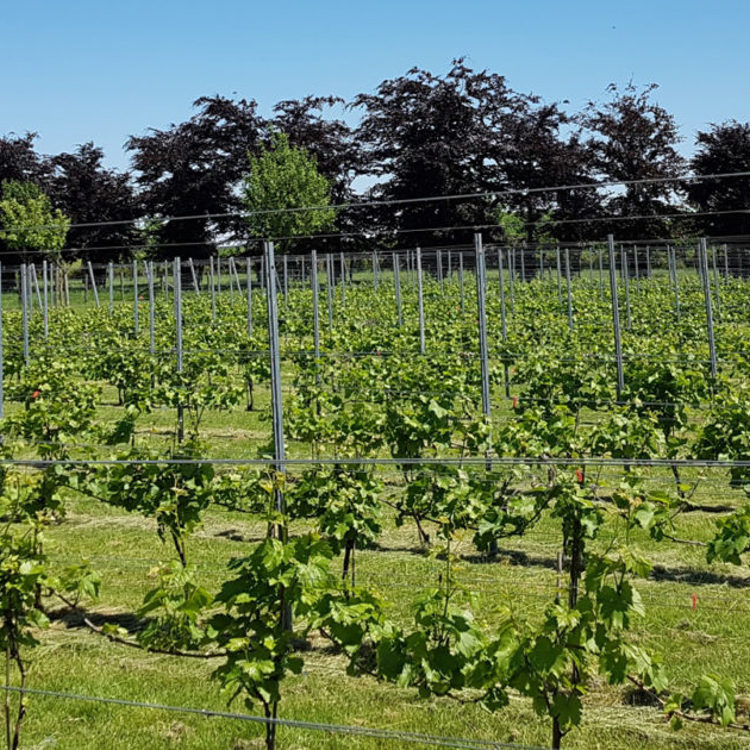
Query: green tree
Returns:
{"type": "Point", "coordinates": [286, 177]}
{"type": "Point", "coordinates": [27, 220]}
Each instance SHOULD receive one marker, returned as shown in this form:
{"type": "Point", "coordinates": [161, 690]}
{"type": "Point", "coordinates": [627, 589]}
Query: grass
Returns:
{"type": "Point", "coordinates": [708, 636]}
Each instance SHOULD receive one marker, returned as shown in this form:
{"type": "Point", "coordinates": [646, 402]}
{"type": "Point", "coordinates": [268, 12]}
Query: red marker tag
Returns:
{"type": "Point", "coordinates": [36, 394]}
{"type": "Point", "coordinates": [695, 602]}
{"type": "Point", "coordinates": [579, 476]}
{"type": "Point", "coordinates": [515, 402]}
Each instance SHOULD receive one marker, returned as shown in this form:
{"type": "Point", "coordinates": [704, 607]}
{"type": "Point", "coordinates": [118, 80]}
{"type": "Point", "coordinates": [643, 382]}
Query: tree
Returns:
{"type": "Point", "coordinates": [194, 168]}
{"type": "Point", "coordinates": [28, 221]}
{"type": "Point", "coordinates": [286, 177]}
{"type": "Point", "coordinates": [723, 148]}
{"type": "Point", "coordinates": [90, 194]}
{"type": "Point", "coordinates": [632, 137]}
{"type": "Point", "coordinates": [429, 135]}
{"type": "Point", "coordinates": [19, 160]}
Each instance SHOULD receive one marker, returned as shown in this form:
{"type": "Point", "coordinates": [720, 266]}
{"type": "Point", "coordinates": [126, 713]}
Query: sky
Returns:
{"type": "Point", "coordinates": [81, 70]}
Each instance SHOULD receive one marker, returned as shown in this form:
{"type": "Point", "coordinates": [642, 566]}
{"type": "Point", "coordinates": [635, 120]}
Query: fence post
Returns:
{"type": "Point", "coordinates": [25, 311]}
{"type": "Point", "coordinates": [111, 274]}
{"type": "Point", "coordinates": [482, 317]}
{"type": "Point", "coordinates": [637, 274]}
{"type": "Point", "coordinates": [615, 316]}
{"type": "Point", "coordinates": [316, 316]}
{"type": "Point", "coordinates": [93, 285]}
{"type": "Point", "coordinates": [135, 297]}
{"type": "Point", "coordinates": [439, 261]}
{"type": "Point", "coordinates": [626, 274]}
{"type": "Point", "coordinates": [461, 280]}
{"type": "Point", "coordinates": [249, 272]}
{"type": "Point", "coordinates": [397, 285]}
{"type": "Point", "coordinates": [45, 309]}
{"type": "Point", "coordinates": [570, 291]}
{"type": "Point", "coordinates": [213, 288]}
{"type": "Point", "coordinates": [503, 319]}
{"type": "Point", "coordinates": [716, 283]}
{"type": "Point", "coordinates": [343, 280]}
{"type": "Point", "coordinates": [150, 279]}
{"type": "Point", "coordinates": [177, 283]}
{"type": "Point", "coordinates": [195, 276]}
{"type": "Point", "coordinates": [286, 280]}
{"type": "Point", "coordinates": [709, 312]}
{"type": "Point", "coordinates": [673, 255]}
{"type": "Point", "coordinates": [276, 404]}
{"type": "Point", "coordinates": [420, 294]}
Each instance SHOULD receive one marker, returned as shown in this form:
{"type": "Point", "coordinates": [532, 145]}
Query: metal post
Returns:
{"type": "Point", "coordinates": [637, 274]}
{"type": "Point", "coordinates": [601, 275]}
{"type": "Point", "coordinates": [482, 318]}
{"type": "Point", "coordinates": [231, 284]}
{"type": "Point", "coordinates": [194, 275]}
{"type": "Point", "coordinates": [218, 275]}
{"type": "Point", "coordinates": [316, 315]}
{"type": "Point", "coordinates": [45, 309]}
{"type": "Point", "coordinates": [559, 275]}
{"type": "Point", "coordinates": [709, 312]}
{"type": "Point", "coordinates": [211, 280]}
{"type": "Point", "coordinates": [249, 271]}
{"type": "Point", "coordinates": [276, 403]}
{"type": "Point", "coordinates": [503, 319]}
{"type": "Point", "coordinates": [511, 275]}
{"type": "Point", "coordinates": [420, 294]}
{"type": "Point", "coordinates": [615, 315]}
{"type": "Point", "coordinates": [570, 291]}
{"type": "Point", "coordinates": [286, 280]}
{"type": "Point", "coordinates": [726, 262]}
{"type": "Point", "coordinates": [329, 291]}
{"type": "Point", "coordinates": [111, 274]}
{"type": "Point", "coordinates": [343, 280]}
{"type": "Point", "coordinates": [461, 280]}
{"type": "Point", "coordinates": [35, 281]}
{"type": "Point", "coordinates": [672, 253]}
{"type": "Point", "coordinates": [25, 311]}
{"type": "Point", "coordinates": [397, 286]}
{"type": "Point", "coordinates": [93, 284]}
{"type": "Point", "coordinates": [177, 282]}
{"type": "Point", "coordinates": [151, 332]}
{"type": "Point", "coordinates": [716, 283]}
{"type": "Point", "coordinates": [626, 274]}
{"type": "Point", "coordinates": [135, 297]}
{"type": "Point", "coordinates": [439, 261]}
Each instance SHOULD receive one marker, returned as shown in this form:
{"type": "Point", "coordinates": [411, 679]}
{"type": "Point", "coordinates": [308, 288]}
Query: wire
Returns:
{"type": "Point", "coordinates": [385, 734]}
{"type": "Point", "coordinates": [399, 201]}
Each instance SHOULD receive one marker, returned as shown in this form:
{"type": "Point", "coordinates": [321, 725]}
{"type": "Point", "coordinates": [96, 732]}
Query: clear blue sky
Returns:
{"type": "Point", "coordinates": [79, 70]}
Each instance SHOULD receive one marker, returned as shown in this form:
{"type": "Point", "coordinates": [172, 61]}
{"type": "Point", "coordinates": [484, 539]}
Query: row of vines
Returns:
{"type": "Point", "coordinates": [380, 434]}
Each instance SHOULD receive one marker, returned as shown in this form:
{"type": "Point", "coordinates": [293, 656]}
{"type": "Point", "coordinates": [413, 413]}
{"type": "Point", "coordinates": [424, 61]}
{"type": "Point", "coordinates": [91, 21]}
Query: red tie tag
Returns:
{"type": "Point", "coordinates": [695, 602]}
{"type": "Point", "coordinates": [579, 476]}
{"type": "Point", "coordinates": [515, 402]}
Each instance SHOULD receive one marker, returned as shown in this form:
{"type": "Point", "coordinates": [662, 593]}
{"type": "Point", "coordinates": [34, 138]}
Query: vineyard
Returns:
{"type": "Point", "coordinates": [471, 497]}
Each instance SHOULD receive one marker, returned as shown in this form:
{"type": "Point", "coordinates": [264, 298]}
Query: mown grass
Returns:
{"type": "Point", "coordinates": [708, 638]}
{"type": "Point", "coordinates": [694, 636]}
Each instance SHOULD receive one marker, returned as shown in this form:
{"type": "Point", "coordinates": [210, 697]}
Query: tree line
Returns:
{"type": "Point", "coordinates": [465, 133]}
